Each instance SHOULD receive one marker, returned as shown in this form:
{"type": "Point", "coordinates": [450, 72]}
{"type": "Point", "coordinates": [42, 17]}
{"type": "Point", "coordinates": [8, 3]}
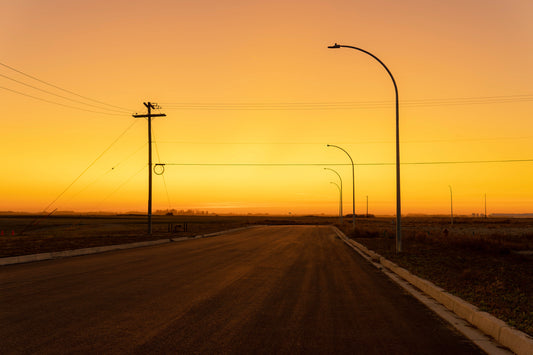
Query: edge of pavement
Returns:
{"type": "Point", "coordinates": [95, 250]}
{"type": "Point", "coordinates": [510, 337]}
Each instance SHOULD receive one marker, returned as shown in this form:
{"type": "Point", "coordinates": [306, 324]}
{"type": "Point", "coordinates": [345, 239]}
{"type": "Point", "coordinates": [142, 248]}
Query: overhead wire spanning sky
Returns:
{"type": "Point", "coordinates": [348, 105]}
{"type": "Point", "coordinates": [239, 81]}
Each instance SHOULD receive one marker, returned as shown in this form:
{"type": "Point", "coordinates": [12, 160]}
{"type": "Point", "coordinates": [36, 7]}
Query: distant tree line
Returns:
{"type": "Point", "coordinates": [189, 212]}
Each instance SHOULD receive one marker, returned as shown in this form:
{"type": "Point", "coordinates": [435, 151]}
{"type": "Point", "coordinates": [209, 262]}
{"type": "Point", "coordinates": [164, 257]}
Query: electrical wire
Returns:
{"type": "Point", "coordinates": [518, 98]}
{"type": "Point", "coordinates": [121, 185]}
{"type": "Point", "coordinates": [112, 169]}
{"type": "Point", "coordinates": [62, 89]}
{"type": "Point", "coordinates": [471, 162]}
{"type": "Point", "coordinates": [162, 175]}
{"type": "Point", "coordinates": [350, 105]}
{"type": "Point", "coordinates": [360, 142]}
{"type": "Point", "coordinates": [61, 96]}
{"type": "Point", "coordinates": [91, 164]}
{"type": "Point", "coordinates": [60, 104]}
{"type": "Point", "coordinates": [356, 164]}
{"type": "Point", "coordinates": [129, 156]}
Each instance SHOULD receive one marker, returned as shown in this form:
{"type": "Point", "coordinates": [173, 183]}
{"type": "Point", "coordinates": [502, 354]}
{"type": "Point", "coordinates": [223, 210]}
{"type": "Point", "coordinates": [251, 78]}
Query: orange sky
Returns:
{"type": "Point", "coordinates": [270, 60]}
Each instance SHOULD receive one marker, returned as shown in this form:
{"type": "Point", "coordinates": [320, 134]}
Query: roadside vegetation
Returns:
{"type": "Point", "coordinates": [487, 262]}
{"type": "Point", "coordinates": [23, 235]}
{"type": "Point", "coordinates": [28, 234]}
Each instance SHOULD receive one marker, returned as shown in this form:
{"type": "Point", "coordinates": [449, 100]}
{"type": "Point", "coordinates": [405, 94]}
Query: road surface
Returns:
{"type": "Point", "coordinates": [269, 290]}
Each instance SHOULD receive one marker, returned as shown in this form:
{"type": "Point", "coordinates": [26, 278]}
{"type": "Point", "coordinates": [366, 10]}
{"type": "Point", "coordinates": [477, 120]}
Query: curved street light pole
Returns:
{"type": "Point", "coordinates": [398, 197]}
{"type": "Point", "coordinates": [353, 183]}
{"type": "Point", "coordinates": [340, 199]}
{"type": "Point", "coordinates": [340, 180]}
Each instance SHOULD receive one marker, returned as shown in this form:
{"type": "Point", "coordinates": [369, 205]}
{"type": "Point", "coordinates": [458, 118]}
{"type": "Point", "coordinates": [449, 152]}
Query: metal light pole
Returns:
{"type": "Point", "coordinates": [398, 197]}
{"type": "Point", "coordinates": [353, 183]}
{"type": "Point", "coordinates": [340, 200]}
{"type": "Point", "coordinates": [451, 204]}
{"type": "Point", "coordinates": [340, 179]}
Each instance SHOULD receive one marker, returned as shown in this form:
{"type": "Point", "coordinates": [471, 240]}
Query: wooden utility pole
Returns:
{"type": "Point", "coordinates": [485, 205]}
{"type": "Point", "coordinates": [149, 115]}
{"type": "Point", "coordinates": [451, 204]}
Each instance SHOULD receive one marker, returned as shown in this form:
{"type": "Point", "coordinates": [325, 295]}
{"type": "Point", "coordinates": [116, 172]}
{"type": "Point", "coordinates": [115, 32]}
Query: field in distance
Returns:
{"type": "Point", "coordinates": [33, 234]}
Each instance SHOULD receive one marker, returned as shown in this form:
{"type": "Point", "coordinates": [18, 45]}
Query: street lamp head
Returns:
{"type": "Point", "coordinates": [334, 46]}
{"type": "Point", "coordinates": [328, 145]}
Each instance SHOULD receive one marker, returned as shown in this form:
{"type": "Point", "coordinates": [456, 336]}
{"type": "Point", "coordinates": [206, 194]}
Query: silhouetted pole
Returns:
{"type": "Point", "coordinates": [149, 107]}
{"type": "Point", "coordinates": [340, 200]}
{"type": "Point", "coordinates": [485, 205]}
{"type": "Point", "coordinates": [353, 183]}
{"type": "Point", "coordinates": [367, 206]}
{"type": "Point", "coordinates": [398, 197]}
{"type": "Point", "coordinates": [451, 204]}
{"type": "Point", "coordinates": [340, 179]}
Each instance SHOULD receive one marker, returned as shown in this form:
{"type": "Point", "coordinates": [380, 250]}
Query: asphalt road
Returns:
{"type": "Point", "coordinates": [270, 290]}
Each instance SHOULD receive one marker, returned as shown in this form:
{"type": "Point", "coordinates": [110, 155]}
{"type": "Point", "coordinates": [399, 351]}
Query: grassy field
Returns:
{"type": "Point", "coordinates": [27, 234]}
{"type": "Point", "coordinates": [488, 262]}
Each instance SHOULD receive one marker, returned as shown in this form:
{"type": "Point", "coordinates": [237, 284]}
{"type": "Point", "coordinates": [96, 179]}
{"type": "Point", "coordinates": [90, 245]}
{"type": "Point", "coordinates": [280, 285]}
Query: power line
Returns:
{"type": "Point", "coordinates": [356, 164]}
{"type": "Point", "coordinates": [129, 156]}
{"type": "Point", "coordinates": [359, 142]}
{"type": "Point", "coordinates": [60, 104]}
{"type": "Point", "coordinates": [61, 96]}
{"type": "Point", "coordinates": [88, 167]}
{"type": "Point", "coordinates": [518, 98]}
{"type": "Point", "coordinates": [62, 89]}
{"type": "Point", "coordinates": [464, 98]}
{"type": "Point", "coordinates": [472, 162]}
{"type": "Point", "coordinates": [162, 175]}
{"type": "Point", "coordinates": [262, 164]}
{"type": "Point", "coordinates": [349, 105]}
{"type": "Point", "coordinates": [112, 169]}
{"type": "Point", "coordinates": [121, 185]}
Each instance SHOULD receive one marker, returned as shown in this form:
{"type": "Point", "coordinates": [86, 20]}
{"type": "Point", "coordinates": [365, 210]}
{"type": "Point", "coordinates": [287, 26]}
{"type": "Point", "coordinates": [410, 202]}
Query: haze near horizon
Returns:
{"type": "Point", "coordinates": [252, 96]}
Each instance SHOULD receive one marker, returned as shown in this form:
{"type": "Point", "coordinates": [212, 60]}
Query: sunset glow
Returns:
{"type": "Point", "coordinates": [253, 95]}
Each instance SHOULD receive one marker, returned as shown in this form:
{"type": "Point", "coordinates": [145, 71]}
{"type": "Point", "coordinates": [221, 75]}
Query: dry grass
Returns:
{"type": "Point", "coordinates": [33, 234]}
{"type": "Point", "coordinates": [57, 233]}
{"type": "Point", "coordinates": [475, 259]}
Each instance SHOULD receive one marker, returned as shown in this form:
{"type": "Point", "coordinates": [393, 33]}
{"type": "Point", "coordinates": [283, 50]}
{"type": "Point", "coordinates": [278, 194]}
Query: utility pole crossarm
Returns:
{"type": "Point", "coordinates": [150, 115]}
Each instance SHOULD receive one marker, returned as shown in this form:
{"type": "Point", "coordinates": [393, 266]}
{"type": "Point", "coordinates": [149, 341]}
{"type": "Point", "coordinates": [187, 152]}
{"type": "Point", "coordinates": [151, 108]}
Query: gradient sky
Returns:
{"type": "Point", "coordinates": [463, 70]}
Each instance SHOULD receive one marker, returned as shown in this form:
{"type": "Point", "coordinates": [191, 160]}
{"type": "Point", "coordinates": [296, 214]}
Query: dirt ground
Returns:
{"type": "Point", "coordinates": [487, 262]}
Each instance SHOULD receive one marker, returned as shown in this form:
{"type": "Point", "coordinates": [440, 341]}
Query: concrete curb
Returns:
{"type": "Point", "coordinates": [517, 341]}
{"type": "Point", "coordinates": [77, 252]}
{"type": "Point", "coordinates": [95, 250]}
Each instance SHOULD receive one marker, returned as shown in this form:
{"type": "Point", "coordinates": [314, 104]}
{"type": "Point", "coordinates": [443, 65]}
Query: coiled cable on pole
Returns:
{"type": "Point", "coordinates": [159, 169]}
